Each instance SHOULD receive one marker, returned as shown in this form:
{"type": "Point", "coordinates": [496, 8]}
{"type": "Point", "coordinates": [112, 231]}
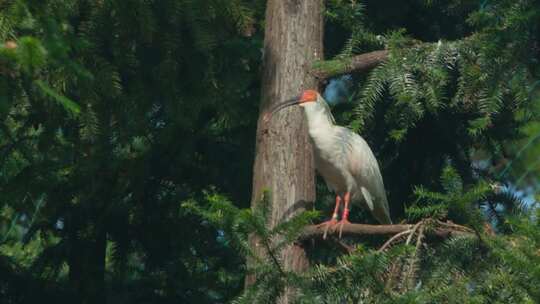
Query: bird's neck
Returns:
{"type": "Point", "coordinates": [319, 121]}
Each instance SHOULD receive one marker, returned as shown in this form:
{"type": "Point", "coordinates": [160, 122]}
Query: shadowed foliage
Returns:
{"type": "Point", "coordinates": [127, 138]}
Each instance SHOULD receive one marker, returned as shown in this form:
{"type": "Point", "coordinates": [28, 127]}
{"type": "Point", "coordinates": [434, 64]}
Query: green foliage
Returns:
{"type": "Point", "coordinates": [455, 202]}
{"type": "Point", "coordinates": [470, 101]}
{"type": "Point", "coordinates": [452, 109]}
{"type": "Point", "coordinates": [241, 227]}
{"type": "Point", "coordinates": [439, 78]}
{"type": "Point", "coordinates": [31, 54]}
{"type": "Point", "coordinates": [113, 112]}
{"type": "Point", "coordinates": [525, 165]}
{"type": "Point", "coordinates": [463, 269]}
{"type": "Point", "coordinates": [68, 104]}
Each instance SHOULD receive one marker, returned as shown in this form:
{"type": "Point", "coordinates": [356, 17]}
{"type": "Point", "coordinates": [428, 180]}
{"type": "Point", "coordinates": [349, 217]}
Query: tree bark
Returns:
{"type": "Point", "coordinates": [284, 158]}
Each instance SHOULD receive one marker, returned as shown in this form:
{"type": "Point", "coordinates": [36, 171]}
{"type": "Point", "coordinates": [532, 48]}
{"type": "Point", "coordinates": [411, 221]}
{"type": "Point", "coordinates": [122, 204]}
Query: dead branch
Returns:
{"type": "Point", "coordinates": [440, 229]}
{"type": "Point", "coordinates": [403, 270]}
{"type": "Point", "coordinates": [395, 238]}
{"type": "Point", "coordinates": [415, 228]}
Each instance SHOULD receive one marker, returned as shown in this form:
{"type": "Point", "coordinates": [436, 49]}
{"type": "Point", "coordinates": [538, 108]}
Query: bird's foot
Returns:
{"type": "Point", "coordinates": [341, 224]}
{"type": "Point", "coordinates": [327, 225]}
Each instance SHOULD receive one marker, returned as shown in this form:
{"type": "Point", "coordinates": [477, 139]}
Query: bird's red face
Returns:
{"type": "Point", "coordinates": [307, 97]}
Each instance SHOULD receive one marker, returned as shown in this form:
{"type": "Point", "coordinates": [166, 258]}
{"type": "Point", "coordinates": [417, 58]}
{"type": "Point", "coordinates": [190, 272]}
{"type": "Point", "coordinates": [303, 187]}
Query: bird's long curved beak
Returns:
{"type": "Point", "coordinates": [280, 106]}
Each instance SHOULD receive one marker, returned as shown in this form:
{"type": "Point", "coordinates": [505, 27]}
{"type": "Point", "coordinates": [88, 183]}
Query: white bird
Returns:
{"type": "Point", "coordinates": [344, 160]}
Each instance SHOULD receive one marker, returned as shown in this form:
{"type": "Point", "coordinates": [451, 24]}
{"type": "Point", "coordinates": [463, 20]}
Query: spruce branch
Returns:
{"type": "Point", "coordinates": [273, 257]}
{"type": "Point", "coordinates": [359, 63]}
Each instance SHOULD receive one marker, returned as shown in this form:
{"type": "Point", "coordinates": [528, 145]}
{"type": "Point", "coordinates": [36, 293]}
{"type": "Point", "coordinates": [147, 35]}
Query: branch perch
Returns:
{"type": "Point", "coordinates": [360, 63]}
{"type": "Point", "coordinates": [441, 229]}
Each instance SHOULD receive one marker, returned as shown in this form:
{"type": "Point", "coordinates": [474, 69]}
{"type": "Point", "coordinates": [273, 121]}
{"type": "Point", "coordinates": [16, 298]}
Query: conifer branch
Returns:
{"type": "Point", "coordinates": [273, 257]}
{"type": "Point", "coordinates": [360, 63]}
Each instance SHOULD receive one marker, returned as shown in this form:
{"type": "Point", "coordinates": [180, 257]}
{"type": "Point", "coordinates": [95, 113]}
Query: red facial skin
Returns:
{"type": "Point", "coordinates": [308, 95]}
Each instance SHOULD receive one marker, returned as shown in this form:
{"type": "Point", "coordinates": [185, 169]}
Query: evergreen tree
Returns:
{"type": "Point", "coordinates": [444, 108]}
{"type": "Point", "coordinates": [113, 113]}
{"type": "Point", "coordinates": [128, 133]}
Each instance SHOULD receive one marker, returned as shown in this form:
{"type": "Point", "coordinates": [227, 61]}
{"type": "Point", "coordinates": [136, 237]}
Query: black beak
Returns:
{"type": "Point", "coordinates": [280, 106]}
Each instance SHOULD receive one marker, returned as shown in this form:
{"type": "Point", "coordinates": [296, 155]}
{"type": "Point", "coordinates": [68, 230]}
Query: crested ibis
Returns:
{"type": "Point", "coordinates": [343, 159]}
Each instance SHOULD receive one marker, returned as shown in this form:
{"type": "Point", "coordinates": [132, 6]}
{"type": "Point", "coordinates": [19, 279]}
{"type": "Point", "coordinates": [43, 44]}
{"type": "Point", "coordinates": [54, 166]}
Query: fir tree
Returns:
{"type": "Point", "coordinates": [128, 137]}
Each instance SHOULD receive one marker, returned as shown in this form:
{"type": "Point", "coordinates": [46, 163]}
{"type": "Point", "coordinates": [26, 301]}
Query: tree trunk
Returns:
{"type": "Point", "coordinates": [284, 157]}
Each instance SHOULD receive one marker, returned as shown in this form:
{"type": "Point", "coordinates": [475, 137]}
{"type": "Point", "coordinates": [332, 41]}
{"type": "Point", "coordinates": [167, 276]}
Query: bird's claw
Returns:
{"type": "Point", "coordinates": [341, 224]}
{"type": "Point", "coordinates": [327, 225]}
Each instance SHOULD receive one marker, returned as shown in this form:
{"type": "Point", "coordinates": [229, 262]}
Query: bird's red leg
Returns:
{"type": "Point", "coordinates": [331, 222]}
{"type": "Point", "coordinates": [345, 216]}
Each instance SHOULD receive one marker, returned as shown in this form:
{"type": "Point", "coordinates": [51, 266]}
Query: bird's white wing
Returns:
{"type": "Point", "coordinates": [365, 169]}
{"type": "Point", "coordinates": [368, 198]}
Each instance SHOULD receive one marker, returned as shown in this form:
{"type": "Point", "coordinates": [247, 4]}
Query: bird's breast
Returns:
{"type": "Point", "coordinates": [332, 175]}
{"type": "Point", "coordinates": [330, 161]}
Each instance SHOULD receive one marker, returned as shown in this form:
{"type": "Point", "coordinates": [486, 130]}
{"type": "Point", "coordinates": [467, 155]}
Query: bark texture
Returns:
{"type": "Point", "coordinates": [284, 158]}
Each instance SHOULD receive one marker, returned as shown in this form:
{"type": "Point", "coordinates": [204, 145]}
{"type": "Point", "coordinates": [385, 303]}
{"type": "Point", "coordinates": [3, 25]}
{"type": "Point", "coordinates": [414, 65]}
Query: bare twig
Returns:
{"type": "Point", "coordinates": [394, 238]}
{"type": "Point", "coordinates": [454, 226]}
{"type": "Point", "coordinates": [413, 232]}
{"type": "Point", "coordinates": [412, 265]}
{"type": "Point", "coordinates": [419, 238]}
{"type": "Point", "coordinates": [397, 265]}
